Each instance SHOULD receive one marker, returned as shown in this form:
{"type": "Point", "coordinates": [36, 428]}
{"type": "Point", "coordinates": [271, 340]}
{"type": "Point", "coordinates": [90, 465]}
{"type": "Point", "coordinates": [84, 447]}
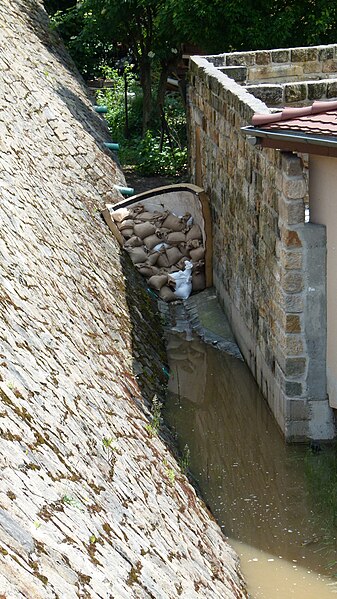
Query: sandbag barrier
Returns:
{"type": "Point", "coordinates": [165, 248]}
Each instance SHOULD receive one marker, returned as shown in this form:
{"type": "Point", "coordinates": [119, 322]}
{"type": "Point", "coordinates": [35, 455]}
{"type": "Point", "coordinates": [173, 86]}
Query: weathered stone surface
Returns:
{"type": "Point", "coordinates": [263, 57]}
{"type": "Point", "coordinates": [291, 212]}
{"type": "Point", "coordinates": [91, 505]}
{"type": "Point", "coordinates": [292, 282]}
{"type": "Point", "coordinates": [331, 91]}
{"type": "Point", "coordinates": [263, 268]}
{"type": "Point", "coordinates": [295, 367]}
{"type": "Point", "coordinates": [237, 73]}
{"type": "Point", "coordinates": [280, 55]}
{"type": "Point", "coordinates": [293, 323]}
{"type": "Point", "coordinates": [292, 260]}
{"type": "Point", "coordinates": [295, 92]}
{"type": "Point", "coordinates": [272, 95]}
{"type": "Point", "coordinates": [290, 238]}
{"type": "Point", "coordinates": [316, 90]}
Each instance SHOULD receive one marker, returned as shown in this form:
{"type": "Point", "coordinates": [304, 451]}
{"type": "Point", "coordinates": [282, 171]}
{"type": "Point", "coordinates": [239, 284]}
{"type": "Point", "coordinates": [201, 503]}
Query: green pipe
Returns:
{"type": "Point", "coordinates": [101, 109]}
{"type": "Point", "coordinates": [126, 191]}
{"type": "Point", "coordinates": [111, 146]}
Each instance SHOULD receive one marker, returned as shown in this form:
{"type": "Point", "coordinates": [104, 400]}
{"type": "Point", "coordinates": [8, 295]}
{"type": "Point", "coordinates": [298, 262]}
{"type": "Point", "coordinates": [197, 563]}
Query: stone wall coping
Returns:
{"type": "Point", "coordinates": [284, 84]}
{"type": "Point", "coordinates": [272, 52]}
{"type": "Point", "coordinates": [229, 84]}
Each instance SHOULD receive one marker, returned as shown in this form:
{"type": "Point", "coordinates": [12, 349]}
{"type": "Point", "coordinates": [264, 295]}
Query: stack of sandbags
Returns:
{"type": "Point", "coordinates": [166, 249]}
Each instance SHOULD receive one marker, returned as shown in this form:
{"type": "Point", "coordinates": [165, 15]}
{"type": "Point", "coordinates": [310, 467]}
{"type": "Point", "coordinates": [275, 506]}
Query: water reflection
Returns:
{"type": "Point", "coordinates": [253, 482]}
{"type": "Point", "coordinates": [271, 577]}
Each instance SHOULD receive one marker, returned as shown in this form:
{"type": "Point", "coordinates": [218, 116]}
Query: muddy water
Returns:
{"type": "Point", "coordinates": [254, 484]}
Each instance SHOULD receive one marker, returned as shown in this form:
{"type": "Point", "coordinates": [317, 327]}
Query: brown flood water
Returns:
{"type": "Point", "coordinates": [254, 484]}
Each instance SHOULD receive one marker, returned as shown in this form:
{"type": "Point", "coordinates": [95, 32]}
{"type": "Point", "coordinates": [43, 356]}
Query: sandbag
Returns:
{"type": "Point", "coordinates": [198, 266]}
{"type": "Point", "coordinates": [156, 282]}
{"type": "Point", "coordinates": [159, 217]}
{"type": "Point", "coordinates": [184, 251]}
{"type": "Point", "coordinates": [137, 254]}
{"type": "Point", "coordinates": [120, 214]}
{"type": "Point", "coordinates": [174, 223]}
{"type": "Point", "coordinates": [173, 268]}
{"type": "Point", "coordinates": [137, 209]}
{"type": "Point", "coordinates": [146, 270]}
{"type": "Point", "coordinates": [197, 254]}
{"type": "Point", "coordinates": [127, 233]}
{"type": "Point", "coordinates": [194, 233]}
{"type": "Point", "coordinates": [176, 237]}
{"type": "Point", "coordinates": [151, 241]}
{"type": "Point", "coordinates": [181, 263]}
{"type": "Point", "coordinates": [198, 281]}
{"type": "Point", "coordinates": [163, 261]}
{"type": "Point", "coordinates": [167, 294]}
{"type": "Point", "coordinates": [152, 258]}
{"type": "Point", "coordinates": [133, 242]}
{"type": "Point", "coordinates": [162, 232]}
{"type": "Point", "coordinates": [174, 255]}
{"type": "Point", "coordinates": [193, 243]}
{"type": "Point", "coordinates": [128, 223]}
{"type": "Point", "coordinates": [143, 230]}
{"type": "Point", "coordinates": [169, 257]}
{"type": "Point", "coordinates": [145, 216]}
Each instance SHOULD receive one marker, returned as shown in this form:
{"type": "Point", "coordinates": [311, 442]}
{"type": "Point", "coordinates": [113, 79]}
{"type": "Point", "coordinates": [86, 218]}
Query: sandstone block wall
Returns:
{"type": "Point", "coordinates": [263, 256]}
{"type": "Point", "coordinates": [91, 505]}
{"type": "Point", "coordinates": [295, 76]}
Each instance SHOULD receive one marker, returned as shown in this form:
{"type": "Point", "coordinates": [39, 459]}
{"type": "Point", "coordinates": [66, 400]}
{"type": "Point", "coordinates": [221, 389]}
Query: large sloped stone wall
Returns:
{"type": "Point", "coordinates": [269, 264]}
{"type": "Point", "coordinates": [91, 505]}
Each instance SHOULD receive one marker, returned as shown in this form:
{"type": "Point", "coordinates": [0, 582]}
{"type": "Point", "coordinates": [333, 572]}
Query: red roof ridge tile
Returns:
{"type": "Point", "coordinates": [293, 113]}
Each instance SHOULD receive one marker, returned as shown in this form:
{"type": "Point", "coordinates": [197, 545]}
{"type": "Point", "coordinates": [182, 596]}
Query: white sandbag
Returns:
{"type": "Point", "coordinates": [183, 280]}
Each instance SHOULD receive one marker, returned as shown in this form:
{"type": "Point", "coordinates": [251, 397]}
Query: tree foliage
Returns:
{"type": "Point", "coordinates": [222, 26]}
{"type": "Point", "coordinates": [140, 29]}
{"type": "Point", "coordinates": [150, 32]}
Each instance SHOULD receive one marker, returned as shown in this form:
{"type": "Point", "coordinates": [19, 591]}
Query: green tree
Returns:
{"type": "Point", "coordinates": [142, 28]}
{"type": "Point", "coordinates": [53, 6]}
{"type": "Point", "coordinates": [222, 26]}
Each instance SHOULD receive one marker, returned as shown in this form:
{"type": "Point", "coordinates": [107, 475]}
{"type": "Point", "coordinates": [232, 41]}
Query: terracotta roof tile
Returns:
{"type": "Point", "coordinates": [318, 119]}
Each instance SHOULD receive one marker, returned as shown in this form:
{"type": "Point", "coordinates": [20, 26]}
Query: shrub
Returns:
{"type": "Point", "coordinates": [163, 149]}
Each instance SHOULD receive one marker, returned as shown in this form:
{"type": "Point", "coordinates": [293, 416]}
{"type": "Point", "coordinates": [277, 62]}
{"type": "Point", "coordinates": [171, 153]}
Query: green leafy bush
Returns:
{"type": "Point", "coordinates": [154, 160]}
{"type": "Point", "coordinates": [163, 149]}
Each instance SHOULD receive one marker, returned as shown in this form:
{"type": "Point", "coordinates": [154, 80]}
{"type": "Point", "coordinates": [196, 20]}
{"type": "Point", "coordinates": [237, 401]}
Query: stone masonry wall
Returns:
{"type": "Point", "coordinates": [263, 251]}
{"type": "Point", "coordinates": [284, 76]}
{"type": "Point", "coordinates": [91, 504]}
